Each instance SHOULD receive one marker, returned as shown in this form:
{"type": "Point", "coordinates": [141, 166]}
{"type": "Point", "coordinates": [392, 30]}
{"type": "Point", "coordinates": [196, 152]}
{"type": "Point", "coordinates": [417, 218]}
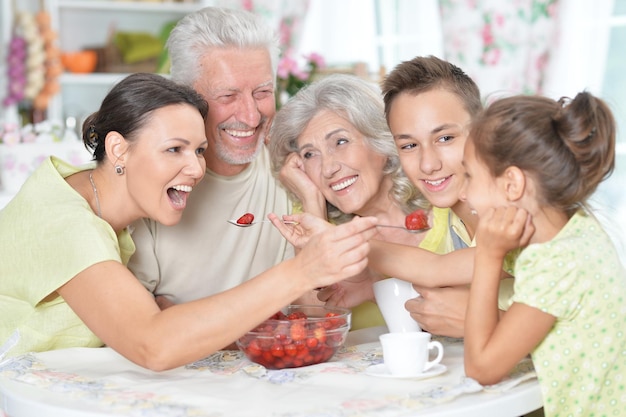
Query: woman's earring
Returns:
{"type": "Point", "coordinates": [119, 170]}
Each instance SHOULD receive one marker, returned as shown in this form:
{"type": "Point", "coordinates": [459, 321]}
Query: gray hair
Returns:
{"type": "Point", "coordinates": [213, 27]}
{"type": "Point", "coordinates": [361, 103]}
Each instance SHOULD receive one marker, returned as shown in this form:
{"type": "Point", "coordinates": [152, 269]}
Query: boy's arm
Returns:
{"type": "Point", "coordinates": [420, 266]}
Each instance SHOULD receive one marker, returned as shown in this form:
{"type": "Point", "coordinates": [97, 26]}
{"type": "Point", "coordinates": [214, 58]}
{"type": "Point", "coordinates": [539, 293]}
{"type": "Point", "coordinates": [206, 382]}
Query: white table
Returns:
{"type": "Point", "coordinates": [85, 382]}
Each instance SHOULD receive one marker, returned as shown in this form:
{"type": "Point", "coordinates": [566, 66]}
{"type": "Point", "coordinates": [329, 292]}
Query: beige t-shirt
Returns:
{"type": "Point", "coordinates": [204, 254]}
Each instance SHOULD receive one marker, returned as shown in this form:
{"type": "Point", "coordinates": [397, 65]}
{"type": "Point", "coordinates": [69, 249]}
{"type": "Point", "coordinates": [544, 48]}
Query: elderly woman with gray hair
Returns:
{"type": "Point", "coordinates": [331, 148]}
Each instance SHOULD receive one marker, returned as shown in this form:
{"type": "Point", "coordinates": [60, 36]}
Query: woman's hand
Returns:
{"type": "Point", "coordinates": [296, 180]}
{"type": "Point", "coordinates": [337, 253]}
{"type": "Point", "coordinates": [300, 233]}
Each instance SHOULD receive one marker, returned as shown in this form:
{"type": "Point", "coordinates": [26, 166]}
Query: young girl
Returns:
{"type": "Point", "coordinates": [532, 163]}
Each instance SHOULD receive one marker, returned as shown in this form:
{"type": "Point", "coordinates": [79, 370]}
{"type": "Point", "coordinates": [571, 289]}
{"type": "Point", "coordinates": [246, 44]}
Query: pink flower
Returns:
{"type": "Point", "coordinates": [541, 62]}
{"type": "Point", "coordinates": [284, 31]}
{"type": "Point", "coordinates": [499, 19]}
{"type": "Point", "coordinates": [552, 9]}
{"type": "Point", "coordinates": [291, 78]}
{"type": "Point", "coordinates": [286, 66]}
{"type": "Point", "coordinates": [316, 59]}
{"type": "Point", "coordinates": [487, 35]}
{"type": "Point", "coordinates": [300, 74]}
{"type": "Point", "coordinates": [247, 5]}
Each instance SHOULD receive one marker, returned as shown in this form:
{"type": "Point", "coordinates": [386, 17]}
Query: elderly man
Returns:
{"type": "Point", "coordinates": [230, 57]}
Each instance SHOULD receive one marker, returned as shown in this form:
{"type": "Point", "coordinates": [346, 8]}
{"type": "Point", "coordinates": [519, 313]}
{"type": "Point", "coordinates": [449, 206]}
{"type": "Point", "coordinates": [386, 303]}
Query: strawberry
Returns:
{"type": "Point", "coordinates": [279, 315]}
{"type": "Point", "coordinates": [320, 334]}
{"type": "Point", "coordinates": [298, 332]}
{"type": "Point", "coordinates": [254, 349]}
{"type": "Point", "coordinates": [291, 349]}
{"type": "Point", "coordinates": [416, 220]}
{"type": "Point", "coordinates": [278, 350]}
{"type": "Point", "coordinates": [247, 218]}
{"type": "Point", "coordinates": [311, 342]}
{"type": "Point", "coordinates": [296, 315]}
{"type": "Point", "coordinates": [333, 323]}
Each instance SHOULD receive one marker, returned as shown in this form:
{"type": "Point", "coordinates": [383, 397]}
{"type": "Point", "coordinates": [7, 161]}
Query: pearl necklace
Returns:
{"type": "Point", "coordinates": [95, 193]}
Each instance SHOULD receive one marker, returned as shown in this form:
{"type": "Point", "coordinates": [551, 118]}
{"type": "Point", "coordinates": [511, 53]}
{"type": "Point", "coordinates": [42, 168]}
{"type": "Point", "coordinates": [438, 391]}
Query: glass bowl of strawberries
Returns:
{"type": "Point", "coordinates": [298, 335]}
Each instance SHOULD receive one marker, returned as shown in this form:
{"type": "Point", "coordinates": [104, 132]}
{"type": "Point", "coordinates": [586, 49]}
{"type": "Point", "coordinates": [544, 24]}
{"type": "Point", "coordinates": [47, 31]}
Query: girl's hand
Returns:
{"type": "Point", "coordinates": [299, 234]}
{"type": "Point", "coordinates": [295, 179]}
{"type": "Point", "coordinates": [503, 229]}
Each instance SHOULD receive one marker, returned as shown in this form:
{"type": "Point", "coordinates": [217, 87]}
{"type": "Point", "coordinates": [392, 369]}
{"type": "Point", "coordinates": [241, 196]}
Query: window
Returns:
{"type": "Point", "coordinates": [379, 33]}
{"type": "Point", "coordinates": [611, 195]}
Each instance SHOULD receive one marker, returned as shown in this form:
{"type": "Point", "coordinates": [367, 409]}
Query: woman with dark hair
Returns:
{"type": "Point", "coordinates": [66, 243]}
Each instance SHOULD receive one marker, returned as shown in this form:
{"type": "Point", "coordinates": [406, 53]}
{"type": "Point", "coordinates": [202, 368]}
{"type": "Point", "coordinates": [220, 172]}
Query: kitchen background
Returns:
{"type": "Point", "coordinates": [552, 47]}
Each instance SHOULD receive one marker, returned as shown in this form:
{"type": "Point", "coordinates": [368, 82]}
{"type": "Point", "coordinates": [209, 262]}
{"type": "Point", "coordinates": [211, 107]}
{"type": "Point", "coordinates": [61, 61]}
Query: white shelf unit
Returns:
{"type": "Point", "coordinates": [87, 24]}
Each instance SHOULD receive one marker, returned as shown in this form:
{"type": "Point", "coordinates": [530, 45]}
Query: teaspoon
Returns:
{"type": "Point", "coordinates": [422, 230]}
{"type": "Point", "coordinates": [257, 222]}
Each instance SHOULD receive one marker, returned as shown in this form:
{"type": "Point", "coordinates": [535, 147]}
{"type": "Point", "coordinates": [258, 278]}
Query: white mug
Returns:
{"type": "Point", "coordinates": [390, 295]}
{"type": "Point", "coordinates": [406, 354]}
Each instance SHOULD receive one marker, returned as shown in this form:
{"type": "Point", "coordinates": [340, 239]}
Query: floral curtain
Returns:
{"type": "Point", "coordinates": [549, 47]}
{"type": "Point", "coordinates": [503, 46]}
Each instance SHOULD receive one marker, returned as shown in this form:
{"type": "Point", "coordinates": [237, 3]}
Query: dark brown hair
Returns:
{"type": "Point", "coordinates": [425, 73]}
{"type": "Point", "coordinates": [567, 146]}
{"type": "Point", "coordinates": [129, 105]}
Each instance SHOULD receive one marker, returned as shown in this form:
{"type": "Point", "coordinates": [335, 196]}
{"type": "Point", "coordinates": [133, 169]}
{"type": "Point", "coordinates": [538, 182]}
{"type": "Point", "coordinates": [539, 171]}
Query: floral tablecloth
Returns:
{"type": "Point", "coordinates": [101, 382]}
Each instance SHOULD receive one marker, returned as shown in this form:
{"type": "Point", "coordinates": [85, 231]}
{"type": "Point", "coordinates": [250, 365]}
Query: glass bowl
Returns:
{"type": "Point", "coordinates": [299, 335]}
